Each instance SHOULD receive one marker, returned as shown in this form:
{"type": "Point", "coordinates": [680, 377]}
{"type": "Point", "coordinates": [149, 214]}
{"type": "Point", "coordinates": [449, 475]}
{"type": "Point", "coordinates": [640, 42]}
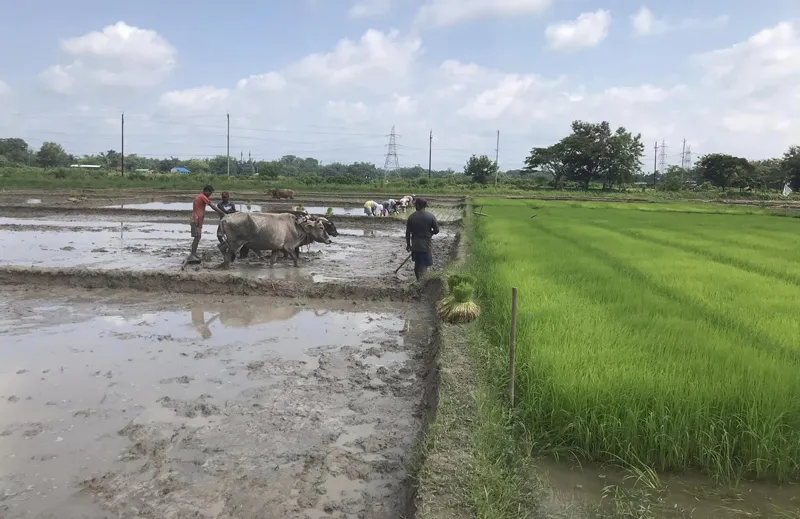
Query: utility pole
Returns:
{"type": "Point", "coordinates": [122, 164]}
{"type": "Point", "coordinates": [229, 144]}
{"type": "Point", "coordinates": [662, 158]}
{"type": "Point", "coordinates": [497, 158]}
{"type": "Point", "coordinates": [683, 155]}
{"type": "Point", "coordinates": [430, 153]}
{"type": "Point", "coordinates": [655, 164]}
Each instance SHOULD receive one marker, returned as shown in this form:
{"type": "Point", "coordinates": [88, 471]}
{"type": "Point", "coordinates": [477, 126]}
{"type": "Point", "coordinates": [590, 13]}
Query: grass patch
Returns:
{"type": "Point", "coordinates": [664, 335]}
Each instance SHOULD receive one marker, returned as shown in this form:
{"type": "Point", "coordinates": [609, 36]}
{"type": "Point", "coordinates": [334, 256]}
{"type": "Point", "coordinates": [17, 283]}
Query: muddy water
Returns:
{"type": "Point", "coordinates": [116, 405]}
{"type": "Point", "coordinates": [177, 206]}
{"type": "Point", "coordinates": [575, 490]}
{"type": "Point", "coordinates": [337, 211]}
{"type": "Point", "coordinates": [99, 244]}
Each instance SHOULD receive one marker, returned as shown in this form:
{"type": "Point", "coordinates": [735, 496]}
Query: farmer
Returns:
{"type": "Point", "coordinates": [389, 206]}
{"type": "Point", "coordinates": [198, 215]}
{"type": "Point", "coordinates": [371, 208]}
{"type": "Point", "coordinates": [227, 207]}
{"type": "Point", "coordinates": [420, 228]}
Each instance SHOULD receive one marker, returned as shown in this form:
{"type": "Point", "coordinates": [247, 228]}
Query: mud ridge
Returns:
{"type": "Point", "coordinates": [35, 211]}
{"type": "Point", "coordinates": [203, 283]}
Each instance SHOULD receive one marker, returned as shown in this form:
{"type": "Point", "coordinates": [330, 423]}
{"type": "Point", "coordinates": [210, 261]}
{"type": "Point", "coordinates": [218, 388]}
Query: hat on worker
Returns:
{"type": "Point", "coordinates": [208, 188]}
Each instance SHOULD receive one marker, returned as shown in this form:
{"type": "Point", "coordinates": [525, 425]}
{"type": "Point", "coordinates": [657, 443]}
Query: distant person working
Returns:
{"type": "Point", "coordinates": [420, 228]}
{"type": "Point", "coordinates": [199, 205]}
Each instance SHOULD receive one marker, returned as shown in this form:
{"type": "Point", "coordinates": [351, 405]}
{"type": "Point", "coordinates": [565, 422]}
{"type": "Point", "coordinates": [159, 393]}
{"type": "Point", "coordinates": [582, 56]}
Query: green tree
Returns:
{"type": "Point", "coordinates": [548, 161]}
{"type": "Point", "coordinates": [722, 170]}
{"type": "Point", "coordinates": [674, 179]}
{"type": "Point", "coordinates": [593, 152]}
{"type": "Point", "coordinates": [198, 166]}
{"type": "Point", "coordinates": [52, 155]}
{"type": "Point", "coordinates": [480, 169]}
{"type": "Point", "coordinates": [269, 169]}
{"type": "Point", "coordinates": [16, 151]}
{"type": "Point", "coordinates": [790, 165]}
{"type": "Point", "coordinates": [771, 170]}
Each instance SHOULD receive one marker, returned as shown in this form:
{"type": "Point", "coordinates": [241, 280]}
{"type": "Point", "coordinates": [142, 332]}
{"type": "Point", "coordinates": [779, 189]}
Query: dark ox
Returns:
{"type": "Point", "coordinates": [282, 193]}
{"type": "Point", "coordinates": [330, 228]}
{"type": "Point", "coordinates": [269, 231]}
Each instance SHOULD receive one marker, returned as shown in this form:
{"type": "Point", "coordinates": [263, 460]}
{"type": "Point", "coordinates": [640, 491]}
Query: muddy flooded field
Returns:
{"type": "Point", "coordinates": [101, 243]}
{"type": "Point", "coordinates": [134, 405]}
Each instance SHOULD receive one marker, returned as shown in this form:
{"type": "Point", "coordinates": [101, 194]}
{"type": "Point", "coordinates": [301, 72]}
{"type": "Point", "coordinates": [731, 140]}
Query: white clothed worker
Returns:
{"type": "Point", "coordinates": [371, 207]}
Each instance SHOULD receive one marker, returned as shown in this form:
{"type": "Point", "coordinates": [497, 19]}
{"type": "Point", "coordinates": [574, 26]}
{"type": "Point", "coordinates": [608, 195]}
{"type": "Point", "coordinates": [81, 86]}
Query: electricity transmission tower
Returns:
{"type": "Point", "coordinates": [662, 158]}
{"type": "Point", "coordinates": [391, 164]}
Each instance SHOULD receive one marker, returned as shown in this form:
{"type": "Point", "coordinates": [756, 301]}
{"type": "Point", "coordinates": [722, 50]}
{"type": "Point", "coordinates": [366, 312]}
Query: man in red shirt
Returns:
{"type": "Point", "coordinates": [198, 215]}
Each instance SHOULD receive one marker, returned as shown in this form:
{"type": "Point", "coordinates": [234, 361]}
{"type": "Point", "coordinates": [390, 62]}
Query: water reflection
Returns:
{"type": "Point", "coordinates": [245, 315]}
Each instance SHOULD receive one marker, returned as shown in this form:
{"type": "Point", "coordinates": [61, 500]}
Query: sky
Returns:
{"type": "Point", "coordinates": [329, 79]}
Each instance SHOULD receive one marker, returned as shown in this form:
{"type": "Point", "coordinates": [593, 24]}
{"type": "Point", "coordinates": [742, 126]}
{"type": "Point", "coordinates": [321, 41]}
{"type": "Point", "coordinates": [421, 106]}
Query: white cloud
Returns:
{"type": "Point", "coordinates": [339, 103]}
{"type": "Point", "coordinates": [269, 82]}
{"type": "Point", "coordinates": [118, 56]}
{"type": "Point", "coordinates": [5, 90]}
{"type": "Point", "coordinates": [645, 23]}
{"type": "Point", "coordinates": [588, 30]}
{"type": "Point", "coordinates": [643, 94]}
{"type": "Point", "coordinates": [442, 13]}
{"type": "Point", "coordinates": [757, 81]}
{"type": "Point", "coordinates": [763, 64]}
{"type": "Point", "coordinates": [377, 55]}
{"type": "Point", "coordinates": [352, 112]}
{"type": "Point", "coordinates": [198, 99]}
{"type": "Point", "coordinates": [370, 8]}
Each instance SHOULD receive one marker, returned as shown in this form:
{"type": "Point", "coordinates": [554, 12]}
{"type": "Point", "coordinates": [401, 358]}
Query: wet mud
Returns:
{"type": "Point", "coordinates": [120, 404]}
{"type": "Point", "coordinates": [357, 253]}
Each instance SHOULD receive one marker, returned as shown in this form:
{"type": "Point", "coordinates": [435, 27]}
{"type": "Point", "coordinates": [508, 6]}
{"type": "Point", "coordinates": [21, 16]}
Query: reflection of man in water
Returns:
{"type": "Point", "coordinates": [199, 322]}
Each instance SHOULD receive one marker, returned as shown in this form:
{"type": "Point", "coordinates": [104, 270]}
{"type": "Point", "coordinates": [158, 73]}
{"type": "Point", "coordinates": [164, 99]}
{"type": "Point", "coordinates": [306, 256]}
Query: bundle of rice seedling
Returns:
{"type": "Point", "coordinates": [453, 280]}
{"type": "Point", "coordinates": [300, 207]}
{"type": "Point", "coordinates": [456, 279]}
{"type": "Point", "coordinates": [248, 205]}
{"type": "Point", "coordinates": [329, 212]}
{"type": "Point", "coordinates": [458, 307]}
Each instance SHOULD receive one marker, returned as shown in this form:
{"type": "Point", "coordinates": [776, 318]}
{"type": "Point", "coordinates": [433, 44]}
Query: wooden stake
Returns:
{"type": "Point", "coordinates": [512, 347]}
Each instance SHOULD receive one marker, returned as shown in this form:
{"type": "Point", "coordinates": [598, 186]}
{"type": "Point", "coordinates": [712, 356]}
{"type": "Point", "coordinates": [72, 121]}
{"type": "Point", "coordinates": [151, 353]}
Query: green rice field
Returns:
{"type": "Point", "coordinates": [665, 335]}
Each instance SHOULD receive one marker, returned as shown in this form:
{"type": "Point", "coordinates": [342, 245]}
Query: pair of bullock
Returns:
{"type": "Point", "coordinates": [274, 232]}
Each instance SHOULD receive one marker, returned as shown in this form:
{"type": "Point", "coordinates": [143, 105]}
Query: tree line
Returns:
{"type": "Point", "coordinates": [593, 154]}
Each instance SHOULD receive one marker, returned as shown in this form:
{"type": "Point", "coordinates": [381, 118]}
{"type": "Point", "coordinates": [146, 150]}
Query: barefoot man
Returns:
{"type": "Point", "coordinates": [198, 215]}
{"type": "Point", "coordinates": [420, 228]}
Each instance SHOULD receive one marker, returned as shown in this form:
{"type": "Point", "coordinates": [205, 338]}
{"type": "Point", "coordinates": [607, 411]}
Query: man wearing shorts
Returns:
{"type": "Point", "coordinates": [198, 215]}
{"type": "Point", "coordinates": [420, 228]}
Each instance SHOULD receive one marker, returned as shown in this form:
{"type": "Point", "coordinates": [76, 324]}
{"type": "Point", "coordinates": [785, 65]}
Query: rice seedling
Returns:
{"type": "Point", "coordinates": [650, 335]}
{"type": "Point", "coordinates": [457, 307]}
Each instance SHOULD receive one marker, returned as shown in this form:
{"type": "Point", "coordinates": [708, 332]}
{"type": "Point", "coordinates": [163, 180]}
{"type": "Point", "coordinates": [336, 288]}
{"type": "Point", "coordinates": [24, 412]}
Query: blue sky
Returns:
{"type": "Point", "coordinates": [469, 69]}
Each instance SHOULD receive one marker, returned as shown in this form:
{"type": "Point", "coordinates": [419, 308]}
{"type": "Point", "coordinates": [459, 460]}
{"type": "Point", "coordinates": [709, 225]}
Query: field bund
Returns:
{"type": "Point", "coordinates": [663, 335]}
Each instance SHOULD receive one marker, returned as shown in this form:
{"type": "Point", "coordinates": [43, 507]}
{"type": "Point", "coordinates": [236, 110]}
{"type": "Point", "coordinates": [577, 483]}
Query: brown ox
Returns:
{"type": "Point", "coordinates": [282, 193]}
